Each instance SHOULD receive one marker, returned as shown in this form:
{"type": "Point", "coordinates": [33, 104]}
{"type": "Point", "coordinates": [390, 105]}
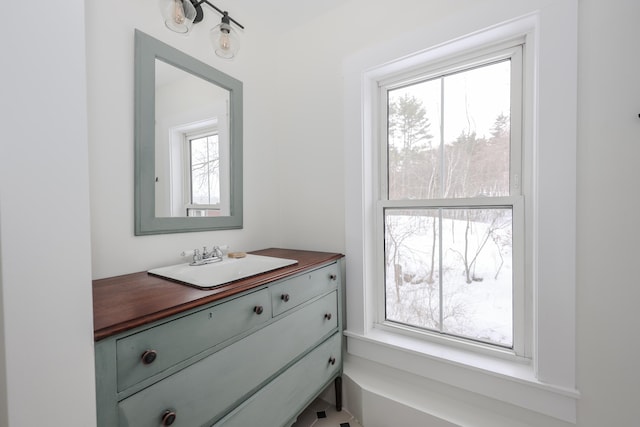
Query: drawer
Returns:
{"type": "Point", "coordinates": [206, 390]}
{"type": "Point", "coordinates": [295, 291]}
{"type": "Point", "coordinates": [291, 390]}
{"type": "Point", "coordinates": [182, 338]}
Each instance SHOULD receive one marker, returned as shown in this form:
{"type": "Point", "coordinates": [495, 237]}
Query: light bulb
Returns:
{"type": "Point", "coordinates": [225, 40]}
{"type": "Point", "coordinates": [178, 15]}
{"type": "Point", "coordinates": [178, 12]}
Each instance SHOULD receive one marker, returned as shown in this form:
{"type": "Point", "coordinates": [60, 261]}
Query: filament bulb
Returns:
{"type": "Point", "coordinates": [225, 40]}
{"type": "Point", "coordinates": [178, 12]}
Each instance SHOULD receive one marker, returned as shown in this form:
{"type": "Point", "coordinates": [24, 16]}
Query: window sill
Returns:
{"type": "Point", "coordinates": [510, 381]}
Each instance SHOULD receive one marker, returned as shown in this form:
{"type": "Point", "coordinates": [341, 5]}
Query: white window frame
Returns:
{"type": "Point", "coordinates": [512, 50]}
{"type": "Point", "coordinates": [179, 163]}
{"type": "Point", "coordinates": [547, 383]}
{"type": "Point", "coordinates": [186, 158]}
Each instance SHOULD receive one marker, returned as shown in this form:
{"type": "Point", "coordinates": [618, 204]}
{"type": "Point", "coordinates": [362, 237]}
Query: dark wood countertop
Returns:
{"type": "Point", "coordinates": [124, 302]}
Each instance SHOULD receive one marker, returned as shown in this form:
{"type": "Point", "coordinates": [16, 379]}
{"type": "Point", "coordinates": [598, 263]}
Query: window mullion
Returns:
{"type": "Point", "coordinates": [470, 202]}
{"type": "Point", "coordinates": [443, 178]}
{"type": "Point", "coordinates": [440, 283]}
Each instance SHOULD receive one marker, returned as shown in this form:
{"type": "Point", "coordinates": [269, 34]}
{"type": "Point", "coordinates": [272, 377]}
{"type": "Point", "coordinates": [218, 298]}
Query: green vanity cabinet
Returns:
{"type": "Point", "coordinates": [255, 358]}
{"type": "Point", "coordinates": [288, 390]}
{"type": "Point", "coordinates": [190, 335]}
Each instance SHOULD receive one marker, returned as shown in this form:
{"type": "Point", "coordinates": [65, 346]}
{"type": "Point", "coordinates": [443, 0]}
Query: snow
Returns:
{"type": "Point", "coordinates": [480, 310]}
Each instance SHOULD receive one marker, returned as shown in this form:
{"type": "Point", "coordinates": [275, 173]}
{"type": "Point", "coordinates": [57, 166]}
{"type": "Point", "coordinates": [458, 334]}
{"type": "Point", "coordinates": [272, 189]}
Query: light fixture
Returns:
{"type": "Point", "coordinates": [224, 38]}
{"type": "Point", "coordinates": [180, 15]}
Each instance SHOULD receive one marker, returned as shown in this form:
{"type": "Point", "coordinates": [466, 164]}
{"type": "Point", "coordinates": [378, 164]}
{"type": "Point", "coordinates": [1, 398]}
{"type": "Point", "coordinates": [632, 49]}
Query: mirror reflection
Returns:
{"type": "Point", "coordinates": [192, 145]}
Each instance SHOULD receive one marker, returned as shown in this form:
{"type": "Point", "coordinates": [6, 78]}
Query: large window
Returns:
{"type": "Point", "coordinates": [536, 370]}
{"type": "Point", "coordinates": [450, 200]}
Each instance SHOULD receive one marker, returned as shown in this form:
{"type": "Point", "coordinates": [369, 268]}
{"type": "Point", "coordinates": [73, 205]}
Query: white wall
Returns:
{"type": "Point", "coordinates": [45, 274]}
{"type": "Point", "coordinates": [608, 206]}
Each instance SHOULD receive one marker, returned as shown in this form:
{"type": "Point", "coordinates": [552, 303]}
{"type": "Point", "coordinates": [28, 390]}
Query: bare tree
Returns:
{"type": "Point", "coordinates": [398, 228]}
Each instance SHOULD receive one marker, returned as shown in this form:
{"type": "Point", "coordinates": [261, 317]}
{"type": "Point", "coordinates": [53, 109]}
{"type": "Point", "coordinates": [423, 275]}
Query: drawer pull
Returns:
{"type": "Point", "coordinates": [258, 309]}
{"type": "Point", "coordinates": [168, 417]}
{"type": "Point", "coordinates": [285, 297]}
{"type": "Point", "coordinates": [333, 277]}
{"type": "Point", "coordinates": [327, 316]}
{"type": "Point", "coordinates": [149, 356]}
{"type": "Point", "coordinates": [332, 360]}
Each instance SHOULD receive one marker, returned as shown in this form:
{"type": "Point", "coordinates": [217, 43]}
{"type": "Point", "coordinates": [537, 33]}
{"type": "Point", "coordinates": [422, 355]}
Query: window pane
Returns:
{"type": "Point", "coordinates": [477, 274]}
{"type": "Point", "coordinates": [450, 271]}
{"type": "Point", "coordinates": [205, 171]}
{"type": "Point", "coordinates": [414, 141]}
{"type": "Point", "coordinates": [471, 157]}
{"type": "Point", "coordinates": [476, 131]}
{"type": "Point", "coordinates": [412, 267]}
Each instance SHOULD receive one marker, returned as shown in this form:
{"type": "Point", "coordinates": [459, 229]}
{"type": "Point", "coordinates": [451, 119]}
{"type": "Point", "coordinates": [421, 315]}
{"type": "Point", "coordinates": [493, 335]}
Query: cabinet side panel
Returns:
{"type": "Point", "coordinates": [106, 394]}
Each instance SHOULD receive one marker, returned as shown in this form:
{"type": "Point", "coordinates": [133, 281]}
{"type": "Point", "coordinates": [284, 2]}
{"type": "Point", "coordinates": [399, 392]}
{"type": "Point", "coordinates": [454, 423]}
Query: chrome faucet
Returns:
{"type": "Point", "coordinates": [206, 257]}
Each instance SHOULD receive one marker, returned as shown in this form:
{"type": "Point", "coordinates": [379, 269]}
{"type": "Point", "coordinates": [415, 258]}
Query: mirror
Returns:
{"type": "Point", "coordinates": [188, 140]}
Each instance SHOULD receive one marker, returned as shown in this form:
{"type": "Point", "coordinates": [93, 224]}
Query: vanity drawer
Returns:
{"type": "Point", "coordinates": [209, 388]}
{"type": "Point", "coordinates": [149, 352]}
{"type": "Point", "coordinates": [291, 390]}
{"type": "Point", "coordinates": [290, 293]}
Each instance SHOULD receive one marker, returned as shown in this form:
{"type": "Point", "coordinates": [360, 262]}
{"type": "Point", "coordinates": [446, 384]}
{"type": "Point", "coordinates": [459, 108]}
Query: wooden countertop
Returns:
{"type": "Point", "coordinates": [124, 302]}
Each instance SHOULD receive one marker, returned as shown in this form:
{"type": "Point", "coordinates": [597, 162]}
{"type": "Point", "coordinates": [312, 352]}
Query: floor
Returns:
{"type": "Point", "coordinates": [323, 414]}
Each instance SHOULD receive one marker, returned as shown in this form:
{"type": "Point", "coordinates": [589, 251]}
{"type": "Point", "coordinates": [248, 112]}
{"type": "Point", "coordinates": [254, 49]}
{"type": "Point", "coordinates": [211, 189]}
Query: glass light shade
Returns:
{"type": "Point", "coordinates": [224, 40]}
{"type": "Point", "coordinates": [178, 15]}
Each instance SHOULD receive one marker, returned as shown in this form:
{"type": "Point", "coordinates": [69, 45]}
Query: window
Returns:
{"type": "Point", "coordinates": [204, 174]}
{"type": "Point", "coordinates": [539, 372]}
{"type": "Point", "coordinates": [194, 169]}
{"type": "Point", "coordinates": [450, 225]}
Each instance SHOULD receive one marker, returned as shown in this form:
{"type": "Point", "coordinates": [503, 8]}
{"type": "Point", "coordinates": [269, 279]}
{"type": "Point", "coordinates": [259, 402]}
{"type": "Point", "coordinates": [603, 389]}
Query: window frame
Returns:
{"type": "Point", "coordinates": [180, 165]}
{"type": "Point", "coordinates": [203, 132]}
{"type": "Point", "coordinates": [546, 383]}
{"type": "Point", "coordinates": [513, 51]}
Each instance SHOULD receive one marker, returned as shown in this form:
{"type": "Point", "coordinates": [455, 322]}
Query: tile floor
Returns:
{"type": "Point", "coordinates": [323, 414]}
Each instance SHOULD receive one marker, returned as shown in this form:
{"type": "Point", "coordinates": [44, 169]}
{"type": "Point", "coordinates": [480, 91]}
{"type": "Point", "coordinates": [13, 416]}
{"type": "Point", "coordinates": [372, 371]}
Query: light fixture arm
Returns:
{"type": "Point", "coordinates": [200, 14]}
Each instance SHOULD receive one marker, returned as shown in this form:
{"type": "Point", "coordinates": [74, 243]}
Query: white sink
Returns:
{"type": "Point", "coordinates": [208, 276]}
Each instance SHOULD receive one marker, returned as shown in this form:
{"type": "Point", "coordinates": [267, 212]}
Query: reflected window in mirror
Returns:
{"type": "Point", "coordinates": [205, 198]}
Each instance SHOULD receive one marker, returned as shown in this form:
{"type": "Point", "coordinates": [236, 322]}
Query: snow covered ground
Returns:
{"type": "Point", "coordinates": [481, 309]}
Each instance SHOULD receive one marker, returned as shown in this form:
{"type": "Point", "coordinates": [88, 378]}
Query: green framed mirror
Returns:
{"type": "Point", "coordinates": [188, 142]}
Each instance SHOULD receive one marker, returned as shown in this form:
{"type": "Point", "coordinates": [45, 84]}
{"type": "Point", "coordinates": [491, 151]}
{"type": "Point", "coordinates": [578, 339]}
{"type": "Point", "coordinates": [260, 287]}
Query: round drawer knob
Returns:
{"type": "Point", "coordinates": [327, 316]}
{"type": "Point", "coordinates": [258, 309]}
{"type": "Point", "coordinates": [285, 297]}
{"type": "Point", "coordinates": [332, 360]}
{"type": "Point", "coordinates": [149, 356]}
{"type": "Point", "coordinates": [168, 417]}
{"type": "Point", "coordinates": [333, 277]}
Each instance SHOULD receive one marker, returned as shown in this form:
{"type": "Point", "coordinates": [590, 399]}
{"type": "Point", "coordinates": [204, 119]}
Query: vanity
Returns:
{"type": "Point", "coordinates": [253, 352]}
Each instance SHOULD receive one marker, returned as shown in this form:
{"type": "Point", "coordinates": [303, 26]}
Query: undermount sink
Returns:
{"type": "Point", "coordinates": [209, 276]}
